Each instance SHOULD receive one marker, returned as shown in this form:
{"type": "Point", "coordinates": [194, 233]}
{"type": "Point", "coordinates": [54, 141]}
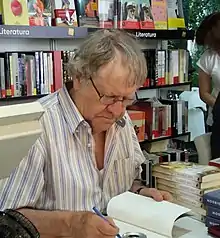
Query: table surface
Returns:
{"type": "Point", "coordinates": [185, 227]}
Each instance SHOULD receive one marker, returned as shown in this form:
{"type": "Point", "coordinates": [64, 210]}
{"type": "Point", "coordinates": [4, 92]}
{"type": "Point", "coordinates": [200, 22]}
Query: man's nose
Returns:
{"type": "Point", "coordinates": [117, 109]}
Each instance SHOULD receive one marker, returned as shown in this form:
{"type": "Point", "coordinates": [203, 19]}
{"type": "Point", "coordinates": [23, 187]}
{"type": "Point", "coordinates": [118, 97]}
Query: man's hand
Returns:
{"type": "Point", "coordinates": [93, 226]}
{"type": "Point", "coordinates": [156, 194]}
{"type": "Point", "coordinates": [69, 224]}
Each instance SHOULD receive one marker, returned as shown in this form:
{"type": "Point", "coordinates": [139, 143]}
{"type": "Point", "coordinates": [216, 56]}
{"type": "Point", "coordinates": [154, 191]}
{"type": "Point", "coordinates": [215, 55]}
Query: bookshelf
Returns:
{"type": "Point", "coordinates": [49, 39]}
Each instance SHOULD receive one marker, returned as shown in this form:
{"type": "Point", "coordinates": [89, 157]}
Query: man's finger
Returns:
{"type": "Point", "coordinates": [156, 195]}
{"type": "Point", "coordinates": [167, 196]}
{"type": "Point", "coordinates": [107, 228]}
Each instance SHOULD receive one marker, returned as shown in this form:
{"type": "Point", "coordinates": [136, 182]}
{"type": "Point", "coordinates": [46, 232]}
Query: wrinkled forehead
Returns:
{"type": "Point", "coordinates": [117, 76]}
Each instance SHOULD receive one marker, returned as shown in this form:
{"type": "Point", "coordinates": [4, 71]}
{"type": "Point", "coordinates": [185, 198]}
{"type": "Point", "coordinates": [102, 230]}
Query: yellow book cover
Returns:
{"type": "Point", "coordinates": [15, 12]}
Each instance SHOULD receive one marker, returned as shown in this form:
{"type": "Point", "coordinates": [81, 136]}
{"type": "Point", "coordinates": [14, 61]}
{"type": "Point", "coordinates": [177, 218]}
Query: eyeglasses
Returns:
{"type": "Point", "coordinates": [109, 100]}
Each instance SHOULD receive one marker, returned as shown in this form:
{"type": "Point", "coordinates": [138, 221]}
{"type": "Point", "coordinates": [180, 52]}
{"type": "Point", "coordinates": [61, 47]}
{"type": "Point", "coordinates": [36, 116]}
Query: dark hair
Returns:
{"type": "Point", "coordinates": [208, 31]}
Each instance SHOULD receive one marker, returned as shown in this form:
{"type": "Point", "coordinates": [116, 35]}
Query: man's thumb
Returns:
{"type": "Point", "coordinates": [108, 227]}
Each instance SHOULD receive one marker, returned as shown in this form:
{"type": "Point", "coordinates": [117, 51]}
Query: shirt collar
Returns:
{"type": "Point", "coordinates": [70, 112]}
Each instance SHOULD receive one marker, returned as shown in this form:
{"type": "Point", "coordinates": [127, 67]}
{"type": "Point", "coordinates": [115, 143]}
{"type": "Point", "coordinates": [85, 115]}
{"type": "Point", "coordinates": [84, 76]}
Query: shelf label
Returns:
{"type": "Point", "coordinates": [145, 34]}
{"type": "Point", "coordinates": [14, 32]}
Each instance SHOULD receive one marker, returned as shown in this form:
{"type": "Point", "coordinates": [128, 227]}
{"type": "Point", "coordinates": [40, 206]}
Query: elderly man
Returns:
{"type": "Point", "coordinates": [88, 151]}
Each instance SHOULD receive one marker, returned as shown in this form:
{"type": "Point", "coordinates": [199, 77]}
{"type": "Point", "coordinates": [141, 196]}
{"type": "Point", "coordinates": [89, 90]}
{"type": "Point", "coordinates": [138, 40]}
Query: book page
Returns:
{"type": "Point", "coordinates": [145, 213]}
{"type": "Point", "coordinates": [125, 227]}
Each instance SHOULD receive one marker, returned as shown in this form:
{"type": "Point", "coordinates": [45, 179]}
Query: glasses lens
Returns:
{"type": "Point", "coordinates": [107, 100]}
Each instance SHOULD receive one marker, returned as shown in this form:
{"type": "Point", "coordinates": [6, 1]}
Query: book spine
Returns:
{"type": "Point", "coordinates": [213, 212]}
{"type": "Point", "coordinates": [210, 221]}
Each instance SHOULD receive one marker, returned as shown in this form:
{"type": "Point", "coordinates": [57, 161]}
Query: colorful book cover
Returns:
{"type": "Point", "coordinates": [39, 12]}
{"type": "Point", "coordinates": [106, 13]}
{"type": "Point", "coordinates": [88, 13]}
{"type": "Point", "coordinates": [159, 11]}
{"type": "Point", "coordinates": [175, 14]}
{"type": "Point", "coordinates": [15, 12]}
{"type": "Point", "coordinates": [128, 14]}
{"type": "Point", "coordinates": [64, 13]}
{"type": "Point", "coordinates": [146, 16]}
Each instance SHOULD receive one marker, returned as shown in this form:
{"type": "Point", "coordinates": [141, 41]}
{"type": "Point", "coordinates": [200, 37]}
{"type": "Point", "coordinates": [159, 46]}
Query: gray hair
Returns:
{"type": "Point", "coordinates": [100, 48]}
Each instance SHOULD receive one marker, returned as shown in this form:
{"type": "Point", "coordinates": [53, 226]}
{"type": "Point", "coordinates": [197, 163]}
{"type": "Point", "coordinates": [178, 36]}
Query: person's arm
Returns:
{"type": "Point", "coordinates": [205, 85]}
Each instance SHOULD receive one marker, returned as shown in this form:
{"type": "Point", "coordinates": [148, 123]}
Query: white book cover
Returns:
{"type": "Point", "coordinates": [19, 130]}
{"type": "Point", "coordinates": [136, 213]}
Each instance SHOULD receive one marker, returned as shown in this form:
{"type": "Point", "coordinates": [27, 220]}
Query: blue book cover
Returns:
{"type": "Point", "coordinates": [213, 212]}
{"type": "Point", "coordinates": [212, 199]}
{"type": "Point", "coordinates": [210, 221]}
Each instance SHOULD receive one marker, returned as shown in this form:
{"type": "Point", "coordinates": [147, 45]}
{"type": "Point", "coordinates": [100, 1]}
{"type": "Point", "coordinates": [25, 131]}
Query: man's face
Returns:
{"type": "Point", "coordinates": [110, 83]}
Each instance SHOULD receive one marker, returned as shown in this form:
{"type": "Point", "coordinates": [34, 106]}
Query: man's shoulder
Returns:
{"type": "Point", "coordinates": [50, 104]}
{"type": "Point", "coordinates": [49, 101]}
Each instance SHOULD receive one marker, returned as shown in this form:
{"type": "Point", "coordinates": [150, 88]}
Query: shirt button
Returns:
{"type": "Point", "coordinates": [77, 131]}
{"type": "Point", "coordinates": [89, 145]}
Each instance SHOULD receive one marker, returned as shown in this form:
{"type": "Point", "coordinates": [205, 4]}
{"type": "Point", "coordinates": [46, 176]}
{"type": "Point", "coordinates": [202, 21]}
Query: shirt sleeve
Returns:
{"type": "Point", "coordinates": [23, 187]}
{"type": "Point", "coordinates": [205, 62]}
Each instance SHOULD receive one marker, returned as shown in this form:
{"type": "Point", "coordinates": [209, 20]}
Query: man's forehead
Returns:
{"type": "Point", "coordinates": [115, 78]}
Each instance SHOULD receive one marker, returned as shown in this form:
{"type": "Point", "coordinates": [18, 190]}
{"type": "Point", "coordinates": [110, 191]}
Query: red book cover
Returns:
{"type": "Point", "coordinates": [128, 12]}
{"type": "Point", "coordinates": [146, 16]}
{"type": "Point", "coordinates": [64, 13]}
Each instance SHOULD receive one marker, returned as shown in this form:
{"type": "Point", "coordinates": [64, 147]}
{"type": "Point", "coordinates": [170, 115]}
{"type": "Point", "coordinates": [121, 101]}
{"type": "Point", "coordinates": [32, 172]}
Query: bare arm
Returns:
{"type": "Point", "coordinates": [51, 223]}
{"type": "Point", "coordinates": [67, 224]}
{"type": "Point", "coordinates": [205, 88]}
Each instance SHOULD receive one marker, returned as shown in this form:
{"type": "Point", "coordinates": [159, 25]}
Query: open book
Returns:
{"type": "Point", "coordinates": [19, 129]}
{"type": "Point", "coordinates": [136, 213]}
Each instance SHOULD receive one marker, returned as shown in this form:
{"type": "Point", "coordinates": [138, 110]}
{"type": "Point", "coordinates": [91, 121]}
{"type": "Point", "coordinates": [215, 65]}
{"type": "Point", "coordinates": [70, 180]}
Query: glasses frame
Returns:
{"type": "Point", "coordinates": [114, 99]}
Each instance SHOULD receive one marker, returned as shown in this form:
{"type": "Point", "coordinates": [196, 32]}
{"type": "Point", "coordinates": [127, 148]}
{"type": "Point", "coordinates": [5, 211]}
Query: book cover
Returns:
{"type": "Point", "coordinates": [175, 14]}
{"type": "Point", "coordinates": [88, 13]}
{"type": "Point", "coordinates": [210, 221]}
{"type": "Point", "coordinates": [128, 14]}
{"type": "Point", "coordinates": [15, 12]}
{"type": "Point", "coordinates": [64, 13]}
{"type": "Point", "coordinates": [213, 212]}
{"type": "Point", "coordinates": [159, 11]}
{"type": "Point", "coordinates": [106, 10]}
{"type": "Point", "coordinates": [39, 12]}
{"type": "Point", "coordinates": [146, 16]}
{"type": "Point", "coordinates": [138, 120]}
{"type": "Point", "coordinates": [212, 199]}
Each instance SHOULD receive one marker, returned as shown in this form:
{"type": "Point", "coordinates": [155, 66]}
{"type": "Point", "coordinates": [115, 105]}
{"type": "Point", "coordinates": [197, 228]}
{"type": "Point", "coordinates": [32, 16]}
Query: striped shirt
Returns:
{"type": "Point", "coordinates": [60, 173]}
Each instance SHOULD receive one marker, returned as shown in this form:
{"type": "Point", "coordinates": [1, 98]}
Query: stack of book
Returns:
{"type": "Point", "coordinates": [212, 203]}
{"type": "Point", "coordinates": [187, 182]}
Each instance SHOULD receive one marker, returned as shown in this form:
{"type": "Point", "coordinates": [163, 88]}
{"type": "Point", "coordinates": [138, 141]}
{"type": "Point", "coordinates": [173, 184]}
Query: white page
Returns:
{"type": "Point", "coordinates": [125, 227]}
{"type": "Point", "coordinates": [145, 213]}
